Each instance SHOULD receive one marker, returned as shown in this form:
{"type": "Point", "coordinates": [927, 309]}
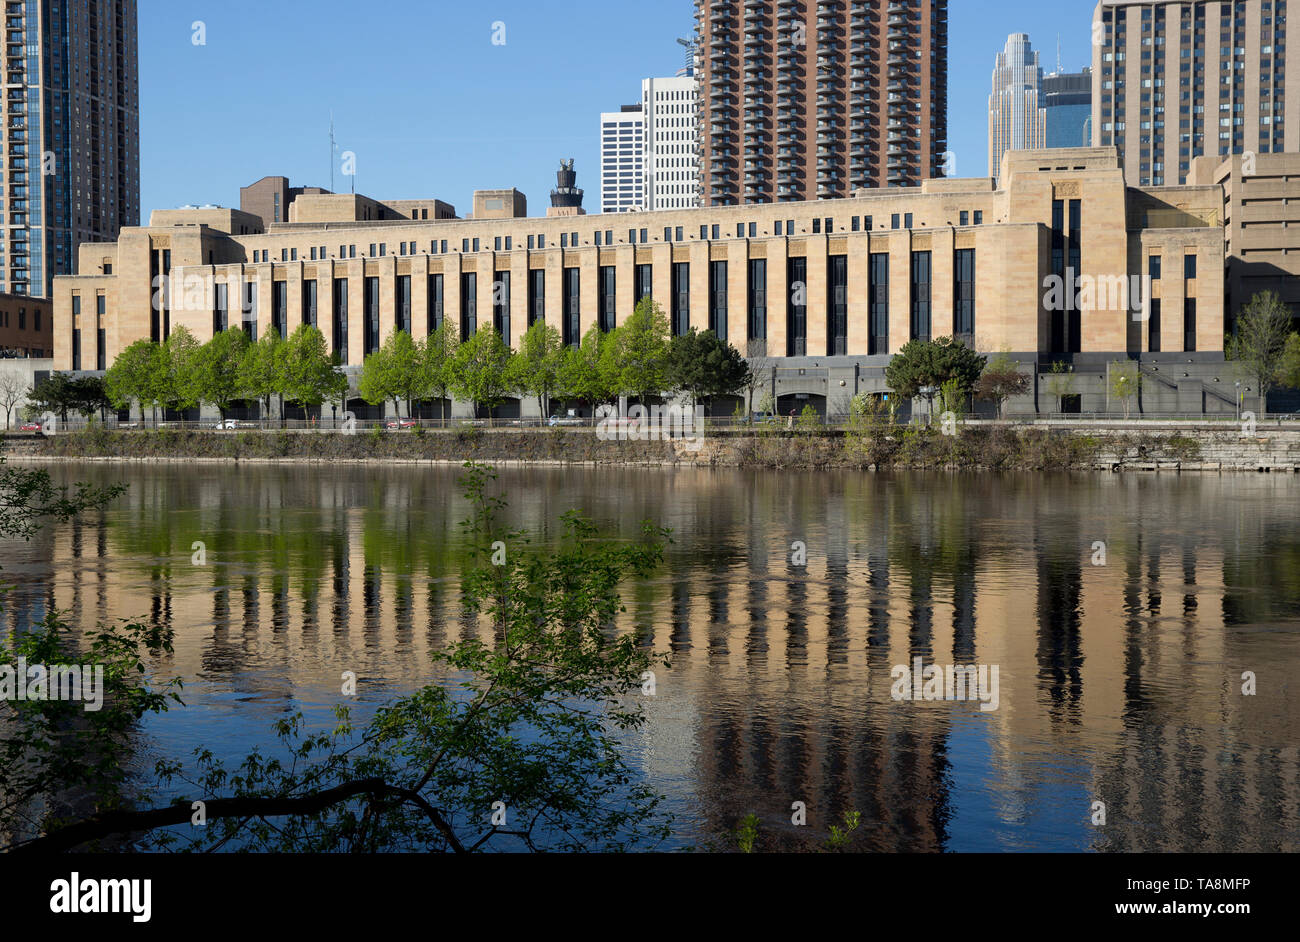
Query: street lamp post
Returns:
{"type": "Point", "coordinates": [928, 392]}
{"type": "Point", "coordinates": [1238, 400]}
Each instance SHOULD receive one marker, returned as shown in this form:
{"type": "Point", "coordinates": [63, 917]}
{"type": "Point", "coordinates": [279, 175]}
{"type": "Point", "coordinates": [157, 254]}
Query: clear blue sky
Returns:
{"type": "Point", "coordinates": [432, 108]}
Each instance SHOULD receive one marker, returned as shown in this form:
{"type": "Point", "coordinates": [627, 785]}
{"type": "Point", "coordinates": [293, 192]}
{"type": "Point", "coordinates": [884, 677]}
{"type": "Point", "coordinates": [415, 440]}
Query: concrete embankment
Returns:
{"type": "Point", "coordinates": [1111, 446]}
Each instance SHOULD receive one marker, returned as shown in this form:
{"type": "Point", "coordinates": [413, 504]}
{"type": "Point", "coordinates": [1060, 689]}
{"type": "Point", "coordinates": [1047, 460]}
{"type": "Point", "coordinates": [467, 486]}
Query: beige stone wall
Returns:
{"type": "Point", "coordinates": [1012, 245]}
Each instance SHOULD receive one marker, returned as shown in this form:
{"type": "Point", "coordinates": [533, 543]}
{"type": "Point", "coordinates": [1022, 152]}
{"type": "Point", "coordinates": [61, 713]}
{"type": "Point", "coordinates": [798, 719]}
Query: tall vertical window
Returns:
{"type": "Point", "coordinates": [101, 343]}
{"type": "Point", "coordinates": [878, 306]}
{"type": "Point", "coordinates": [370, 315]}
{"type": "Point", "coordinates": [166, 293]}
{"type": "Point", "coordinates": [435, 312]}
{"type": "Point", "coordinates": [220, 307]}
{"type": "Point", "coordinates": [468, 304]}
{"type": "Point", "coordinates": [718, 298]}
{"type": "Point", "coordinates": [1057, 336]}
{"type": "Point", "coordinates": [756, 300]}
{"type": "Point", "coordinates": [501, 305]}
{"type": "Point", "coordinates": [606, 314]}
{"type": "Point", "coordinates": [402, 315]}
{"type": "Point", "coordinates": [340, 326]}
{"type": "Point", "coordinates": [76, 332]}
{"type": "Point", "coordinates": [309, 302]}
{"type": "Point", "coordinates": [796, 308]}
{"type": "Point", "coordinates": [250, 310]}
{"type": "Point", "coordinates": [837, 336]}
{"type": "Point", "coordinates": [920, 295]}
{"type": "Point", "coordinates": [155, 307]}
{"type": "Point", "coordinates": [963, 294]}
{"type": "Point", "coordinates": [681, 297]}
{"type": "Point", "coordinates": [1189, 323]}
{"type": "Point", "coordinates": [571, 329]}
{"type": "Point", "coordinates": [1073, 264]}
{"type": "Point", "coordinates": [644, 282]}
{"type": "Point", "coordinates": [280, 308]}
{"type": "Point", "coordinates": [536, 295]}
{"type": "Point", "coordinates": [1153, 327]}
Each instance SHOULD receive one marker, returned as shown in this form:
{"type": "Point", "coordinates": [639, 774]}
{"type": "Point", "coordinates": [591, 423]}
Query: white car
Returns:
{"type": "Point", "coordinates": [227, 424]}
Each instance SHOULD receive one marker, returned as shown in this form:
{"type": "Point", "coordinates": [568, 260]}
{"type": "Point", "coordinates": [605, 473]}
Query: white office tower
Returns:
{"type": "Point", "coordinates": [622, 166]}
{"type": "Point", "coordinates": [672, 162]}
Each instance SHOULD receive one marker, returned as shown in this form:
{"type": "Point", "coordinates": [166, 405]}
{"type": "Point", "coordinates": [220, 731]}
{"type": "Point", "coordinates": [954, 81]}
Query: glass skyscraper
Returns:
{"type": "Point", "coordinates": [70, 152]}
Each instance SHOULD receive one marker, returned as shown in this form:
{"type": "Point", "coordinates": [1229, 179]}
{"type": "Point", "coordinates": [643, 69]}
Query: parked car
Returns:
{"type": "Point", "coordinates": [30, 427]}
{"type": "Point", "coordinates": [401, 423]}
{"type": "Point", "coordinates": [227, 424]}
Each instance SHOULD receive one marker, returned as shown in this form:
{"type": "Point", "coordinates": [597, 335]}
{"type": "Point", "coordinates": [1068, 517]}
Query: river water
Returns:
{"type": "Point", "coordinates": [1114, 617]}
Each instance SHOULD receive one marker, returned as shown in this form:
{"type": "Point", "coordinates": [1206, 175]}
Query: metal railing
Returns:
{"type": "Point", "coordinates": [796, 422]}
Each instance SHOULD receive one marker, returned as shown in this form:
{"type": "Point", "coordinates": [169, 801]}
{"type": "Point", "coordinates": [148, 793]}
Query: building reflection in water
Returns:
{"type": "Point", "coordinates": [1120, 683]}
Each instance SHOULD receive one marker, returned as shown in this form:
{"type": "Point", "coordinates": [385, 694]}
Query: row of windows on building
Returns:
{"type": "Point", "coordinates": [796, 310]}
{"type": "Point", "coordinates": [7, 319]}
{"type": "Point", "coordinates": [606, 238]}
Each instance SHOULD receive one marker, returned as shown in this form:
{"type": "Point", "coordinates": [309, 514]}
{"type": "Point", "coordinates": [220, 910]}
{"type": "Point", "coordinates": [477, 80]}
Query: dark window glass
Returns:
{"type": "Point", "coordinates": [435, 311]}
{"type": "Point", "coordinates": [501, 305]}
{"type": "Point", "coordinates": [571, 330]}
{"type": "Point", "coordinates": [681, 297]}
{"type": "Point", "coordinates": [718, 298]}
{"type": "Point", "coordinates": [607, 314]}
{"type": "Point", "coordinates": [370, 315]}
{"type": "Point", "coordinates": [644, 282]}
{"type": "Point", "coordinates": [536, 295]}
{"type": "Point", "coordinates": [402, 316]}
{"type": "Point", "coordinates": [878, 306]}
{"type": "Point", "coordinates": [963, 318]}
{"type": "Point", "coordinates": [796, 318]}
{"type": "Point", "coordinates": [341, 319]}
{"type": "Point", "coordinates": [757, 299]}
{"type": "Point", "coordinates": [837, 335]}
{"type": "Point", "coordinates": [468, 304]}
{"type": "Point", "coordinates": [920, 295]}
{"type": "Point", "coordinates": [309, 302]}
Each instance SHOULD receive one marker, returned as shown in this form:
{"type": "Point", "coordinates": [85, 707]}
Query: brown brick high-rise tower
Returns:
{"type": "Point", "coordinates": [802, 99]}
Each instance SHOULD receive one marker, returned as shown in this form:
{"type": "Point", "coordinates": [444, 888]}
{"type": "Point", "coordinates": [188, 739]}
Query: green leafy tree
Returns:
{"type": "Point", "coordinates": [394, 371]}
{"type": "Point", "coordinates": [439, 362]}
{"type": "Point", "coordinates": [702, 366]}
{"type": "Point", "coordinates": [537, 364]}
{"type": "Point", "coordinates": [217, 366]}
{"type": "Point", "coordinates": [89, 395]}
{"type": "Point", "coordinates": [482, 371]}
{"type": "Point", "coordinates": [1288, 373]}
{"type": "Point", "coordinates": [1259, 337]}
{"type": "Point", "coordinates": [1000, 381]}
{"type": "Point", "coordinates": [139, 375]}
{"type": "Point", "coordinates": [56, 393]}
{"type": "Point", "coordinates": [261, 369]}
{"type": "Point", "coordinates": [928, 364]}
{"type": "Point", "coordinates": [310, 377]}
{"type": "Point", "coordinates": [641, 351]}
{"type": "Point", "coordinates": [585, 373]}
{"type": "Point", "coordinates": [181, 385]}
{"type": "Point", "coordinates": [1125, 382]}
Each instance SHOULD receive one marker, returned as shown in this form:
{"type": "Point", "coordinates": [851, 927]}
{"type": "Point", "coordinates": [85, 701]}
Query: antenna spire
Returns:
{"type": "Point", "coordinates": [332, 150]}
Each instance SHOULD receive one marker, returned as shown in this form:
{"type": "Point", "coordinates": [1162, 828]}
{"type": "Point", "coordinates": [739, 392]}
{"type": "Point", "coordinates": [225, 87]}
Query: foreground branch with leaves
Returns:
{"type": "Point", "coordinates": [515, 746]}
